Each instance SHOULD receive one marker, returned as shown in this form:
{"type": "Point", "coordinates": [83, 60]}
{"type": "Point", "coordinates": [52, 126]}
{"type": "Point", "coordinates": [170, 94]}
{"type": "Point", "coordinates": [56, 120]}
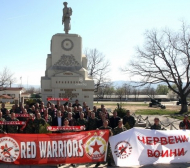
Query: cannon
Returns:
{"type": "Point", "coordinates": [156, 103]}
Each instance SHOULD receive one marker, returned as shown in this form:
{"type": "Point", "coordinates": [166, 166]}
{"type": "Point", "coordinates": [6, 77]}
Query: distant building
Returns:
{"type": "Point", "coordinates": [12, 94]}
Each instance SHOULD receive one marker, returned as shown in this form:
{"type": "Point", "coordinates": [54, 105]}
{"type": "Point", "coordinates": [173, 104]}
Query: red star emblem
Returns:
{"type": "Point", "coordinates": [122, 149]}
{"type": "Point", "coordinates": [6, 150]}
{"type": "Point", "coordinates": [96, 147]}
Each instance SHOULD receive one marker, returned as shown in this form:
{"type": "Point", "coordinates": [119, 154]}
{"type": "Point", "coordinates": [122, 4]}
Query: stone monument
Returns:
{"type": "Point", "coordinates": [66, 73]}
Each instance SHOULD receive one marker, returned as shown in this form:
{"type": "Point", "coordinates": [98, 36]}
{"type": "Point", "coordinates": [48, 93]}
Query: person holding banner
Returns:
{"type": "Point", "coordinates": [156, 125]}
{"type": "Point", "coordinates": [109, 154]}
{"type": "Point", "coordinates": [93, 122]}
{"type": "Point", "coordinates": [2, 127]}
{"type": "Point", "coordinates": [58, 121]}
{"type": "Point", "coordinates": [72, 121]}
{"type": "Point", "coordinates": [47, 117]}
{"type": "Point", "coordinates": [82, 121]}
{"type": "Point", "coordinates": [37, 122]}
{"type": "Point", "coordinates": [12, 128]}
{"type": "Point", "coordinates": [24, 111]}
{"type": "Point", "coordinates": [28, 127]}
{"type": "Point", "coordinates": [66, 124]}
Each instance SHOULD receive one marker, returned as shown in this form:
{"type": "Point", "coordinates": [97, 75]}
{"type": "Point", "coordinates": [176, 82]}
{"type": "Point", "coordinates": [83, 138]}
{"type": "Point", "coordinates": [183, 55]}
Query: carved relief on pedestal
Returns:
{"type": "Point", "coordinates": [68, 94]}
{"type": "Point", "coordinates": [66, 60]}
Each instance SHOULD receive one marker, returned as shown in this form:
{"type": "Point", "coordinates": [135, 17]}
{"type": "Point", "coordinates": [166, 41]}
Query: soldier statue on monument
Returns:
{"type": "Point", "coordinates": [67, 12]}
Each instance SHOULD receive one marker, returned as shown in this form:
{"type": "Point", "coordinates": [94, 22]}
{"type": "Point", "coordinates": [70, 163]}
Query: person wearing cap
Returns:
{"type": "Point", "coordinates": [185, 124]}
{"type": "Point", "coordinates": [156, 125]}
{"type": "Point", "coordinates": [67, 12]}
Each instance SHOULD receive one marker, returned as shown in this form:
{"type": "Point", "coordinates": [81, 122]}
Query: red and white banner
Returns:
{"type": "Point", "coordinates": [70, 128]}
{"type": "Point", "coordinates": [60, 99]}
{"type": "Point", "coordinates": [12, 122]}
{"type": "Point", "coordinates": [137, 147]}
{"type": "Point", "coordinates": [22, 115]}
{"type": "Point", "coordinates": [58, 148]}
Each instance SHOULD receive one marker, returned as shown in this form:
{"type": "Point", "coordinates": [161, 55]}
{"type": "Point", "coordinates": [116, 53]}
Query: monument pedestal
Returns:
{"type": "Point", "coordinates": [66, 71]}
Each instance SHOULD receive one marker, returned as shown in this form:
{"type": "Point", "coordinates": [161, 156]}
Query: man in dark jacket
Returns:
{"type": "Point", "coordinates": [114, 120]}
{"type": "Point", "coordinates": [128, 119]}
{"type": "Point", "coordinates": [58, 121]}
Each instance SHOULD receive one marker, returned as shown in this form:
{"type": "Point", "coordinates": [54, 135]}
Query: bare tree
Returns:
{"type": "Point", "coordinates": [136, 92]}
{"type": "Point", "coordinates": [30, 90]}
{"type": "Point", "coordinates": [148, 91]}
{"type": "Point", "coordinates": [120, 92]}
{"type": "Point", "coordinates": [165, 58]}
{"type": "Point", "coordinates": [128, 89]}
{"type": "Point", "coordinates": [104, 89]}
{"type": "Point", "coordinates": [109, 89]}
{"type": "Point", "coordinates": [98, 67]}
{"type": "Point", "coordinates": [6, 78]}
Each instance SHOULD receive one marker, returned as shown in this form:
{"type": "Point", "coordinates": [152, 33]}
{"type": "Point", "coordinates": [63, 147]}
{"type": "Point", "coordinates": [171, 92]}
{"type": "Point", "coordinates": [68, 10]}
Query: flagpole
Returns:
{"type": "Point", "coordinates": [21, 80]}
{"type": "Point", "coordinates": [27, 82]}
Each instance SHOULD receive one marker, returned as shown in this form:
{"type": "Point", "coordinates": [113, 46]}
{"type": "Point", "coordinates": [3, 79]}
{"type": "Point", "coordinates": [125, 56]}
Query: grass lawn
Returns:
{"type": "Point", "coordinates": [155, 112]}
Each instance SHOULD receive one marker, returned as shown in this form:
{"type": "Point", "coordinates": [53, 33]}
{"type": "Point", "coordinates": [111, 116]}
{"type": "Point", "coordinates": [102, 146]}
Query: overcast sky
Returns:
{"type": "Point", "coordinates": [113, 27]}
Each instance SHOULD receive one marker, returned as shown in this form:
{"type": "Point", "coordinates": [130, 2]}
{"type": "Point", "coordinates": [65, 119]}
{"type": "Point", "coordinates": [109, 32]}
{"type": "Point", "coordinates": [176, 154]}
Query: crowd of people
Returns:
{"type": "Point", "coordinates": [59, 114]}
{"type": "Point", "coordinates": [66, 114]}
{"type": "Point", "coordinates": [69, 114]}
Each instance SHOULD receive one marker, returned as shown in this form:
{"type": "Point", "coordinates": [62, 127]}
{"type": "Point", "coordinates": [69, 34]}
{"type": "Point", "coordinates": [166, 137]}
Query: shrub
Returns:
{"type": "Point", "coordinates": [121, 112]}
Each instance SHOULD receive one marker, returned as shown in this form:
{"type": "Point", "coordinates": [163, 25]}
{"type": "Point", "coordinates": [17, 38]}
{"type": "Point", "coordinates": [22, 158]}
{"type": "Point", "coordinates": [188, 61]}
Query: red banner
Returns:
{"type": "Point", "coordinates": [12, 122]}
{"type": "Point", "coordinates": [60, 99]}
{"type": "Point", "coordinates": [60, 148]}
{"type": "Point", "coordinates": [22, 115]}
{"type": "Point", "coordinates": [72, 128]}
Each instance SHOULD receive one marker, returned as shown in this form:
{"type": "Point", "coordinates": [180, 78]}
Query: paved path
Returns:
{"type": "Point", "coordinates": [173, 165]}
